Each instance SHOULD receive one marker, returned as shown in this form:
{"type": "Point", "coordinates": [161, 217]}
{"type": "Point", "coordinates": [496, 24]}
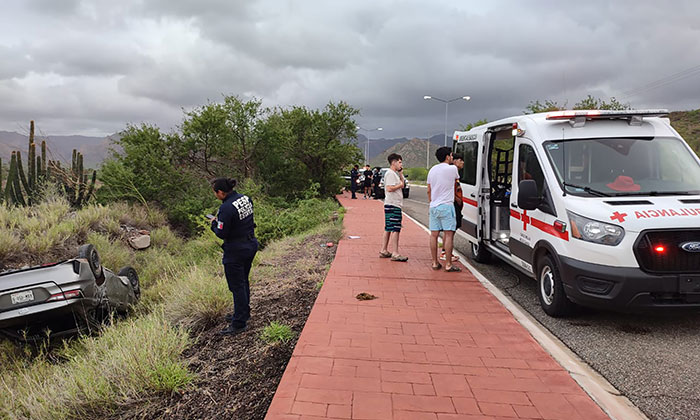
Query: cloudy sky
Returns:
{"type": "Point", "coordinates": [90, 67]}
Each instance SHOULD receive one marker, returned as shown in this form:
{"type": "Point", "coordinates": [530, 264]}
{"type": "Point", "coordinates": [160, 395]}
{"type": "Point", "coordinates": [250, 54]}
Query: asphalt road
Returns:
{"type": "Point", "coordinates": [653, 359]}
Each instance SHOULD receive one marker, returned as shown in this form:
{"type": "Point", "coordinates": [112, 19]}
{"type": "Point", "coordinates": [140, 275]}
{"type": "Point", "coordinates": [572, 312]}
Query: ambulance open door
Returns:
{"type": "Point", "coordinates": [470, 146]}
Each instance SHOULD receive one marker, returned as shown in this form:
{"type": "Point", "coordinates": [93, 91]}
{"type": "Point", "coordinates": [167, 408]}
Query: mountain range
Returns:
{"type": "Point", "coordinates": [94, 149]}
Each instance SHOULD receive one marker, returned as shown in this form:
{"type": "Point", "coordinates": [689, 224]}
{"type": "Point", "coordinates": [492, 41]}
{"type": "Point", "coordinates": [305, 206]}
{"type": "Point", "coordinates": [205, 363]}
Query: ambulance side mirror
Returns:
{"type": "Point", "coordinates": [528, 197]}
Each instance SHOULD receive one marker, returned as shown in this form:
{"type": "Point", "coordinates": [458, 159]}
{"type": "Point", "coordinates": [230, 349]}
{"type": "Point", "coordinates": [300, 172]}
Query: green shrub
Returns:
{"type": "Point", "coordinates": [416, 174]}
{"type": "Point", "coordinates": [277, 333]}
{"type": "Point", "coordinates": [274, 223]}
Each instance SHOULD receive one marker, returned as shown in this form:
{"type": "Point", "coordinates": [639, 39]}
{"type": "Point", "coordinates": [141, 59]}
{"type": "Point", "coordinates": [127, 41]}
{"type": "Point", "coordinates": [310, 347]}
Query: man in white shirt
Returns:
{"type": "Point", "coordinates": [393, 201]}
{"type": "Point", "coordinates": [441, 193]}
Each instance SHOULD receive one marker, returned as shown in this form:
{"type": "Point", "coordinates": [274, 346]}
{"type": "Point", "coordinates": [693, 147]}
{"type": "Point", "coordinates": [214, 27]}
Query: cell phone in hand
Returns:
{"type": "Point", "coordinates": [209, 216]}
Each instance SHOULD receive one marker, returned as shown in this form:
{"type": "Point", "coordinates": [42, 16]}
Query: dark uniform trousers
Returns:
{"type": "Point", "coordinates": [235, 225]}
{"type": "Point", "coordinates": [237, 262]}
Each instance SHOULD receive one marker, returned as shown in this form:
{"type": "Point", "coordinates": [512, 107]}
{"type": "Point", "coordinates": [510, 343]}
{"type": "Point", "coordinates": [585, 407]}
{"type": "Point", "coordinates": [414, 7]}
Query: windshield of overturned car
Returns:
{"type": "Point", "coordinates": [625, 166]}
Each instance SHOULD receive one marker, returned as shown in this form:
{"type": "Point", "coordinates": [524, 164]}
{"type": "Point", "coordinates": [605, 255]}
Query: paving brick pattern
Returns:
{"type": "Point", "coordinates": [433, 345]}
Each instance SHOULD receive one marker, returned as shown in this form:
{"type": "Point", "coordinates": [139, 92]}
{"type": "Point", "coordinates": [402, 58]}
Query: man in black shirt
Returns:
{"type": "Point", "coordinates": [376, 179]}
{"type": "Point", "coordinates": [368, 181]}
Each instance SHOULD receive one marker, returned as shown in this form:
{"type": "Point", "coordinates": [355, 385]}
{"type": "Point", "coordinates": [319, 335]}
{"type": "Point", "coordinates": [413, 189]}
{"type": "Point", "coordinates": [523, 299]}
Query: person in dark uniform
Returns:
{"type": "Point", "coordinates": [234, 224]}
{"type": "Point", "coordinates": [354, 174]}
{"type": "Point", "coordinates": [368, 182]}
{"type": "Point", "coordinates": [376, 179]}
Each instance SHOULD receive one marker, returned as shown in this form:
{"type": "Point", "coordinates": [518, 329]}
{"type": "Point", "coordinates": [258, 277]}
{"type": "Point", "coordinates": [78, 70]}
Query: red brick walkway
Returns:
{"type": "Point", "coordinates": [433, 346]}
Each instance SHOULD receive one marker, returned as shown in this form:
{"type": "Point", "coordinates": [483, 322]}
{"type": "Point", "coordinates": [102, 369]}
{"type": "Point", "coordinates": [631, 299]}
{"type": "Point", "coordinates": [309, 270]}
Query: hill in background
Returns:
{"type": "Point", "coordinates": [413, 153]}
{"type": "Point", "coordinates": [687, 123]}
{"type": "Point", "coordinates": [94, 149]}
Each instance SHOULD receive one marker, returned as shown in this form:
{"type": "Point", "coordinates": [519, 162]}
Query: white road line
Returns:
{"type": "Point", "coordinates": [616, 405]}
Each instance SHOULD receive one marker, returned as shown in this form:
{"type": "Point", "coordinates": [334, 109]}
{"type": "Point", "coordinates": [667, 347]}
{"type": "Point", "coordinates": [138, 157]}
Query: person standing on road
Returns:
{"type": "Point", "coordinates": [235, 225]}
{"type": "Point", "coordinates": [441, 193]}
{"type": "Point", "coordinates": [354, 174]}
{"type": "Point", "coordinates": [376, 179]}
{"type": "Point", "coordinates": [393, 201]}
{"type": "Point", "coordinates": [368, 182]}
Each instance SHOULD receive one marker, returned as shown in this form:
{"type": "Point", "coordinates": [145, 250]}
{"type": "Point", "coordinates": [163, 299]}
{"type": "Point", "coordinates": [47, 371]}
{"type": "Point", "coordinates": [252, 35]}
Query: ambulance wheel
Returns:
{"type": "Point", "coordinates": [479, 253]}
{"type": "Point", "coordinates": [551, 289]}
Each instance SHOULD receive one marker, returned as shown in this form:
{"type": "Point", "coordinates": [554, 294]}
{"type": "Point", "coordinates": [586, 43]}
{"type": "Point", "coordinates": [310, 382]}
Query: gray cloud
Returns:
{"type": "Point", "coordinates": [91, 67]}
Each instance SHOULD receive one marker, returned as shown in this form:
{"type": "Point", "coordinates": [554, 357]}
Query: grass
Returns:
{"type": "Point", "coordinates": [276, 333]}
{"type": "Point", "coordinates": [133, 357]}
{"type": "Point", "coordinates": [183, 290]}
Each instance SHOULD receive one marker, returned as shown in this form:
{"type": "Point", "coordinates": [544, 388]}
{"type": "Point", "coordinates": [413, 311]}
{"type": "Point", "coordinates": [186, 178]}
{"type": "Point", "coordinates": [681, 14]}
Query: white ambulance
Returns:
{"type": "Point", "coordinates": [601, 208]}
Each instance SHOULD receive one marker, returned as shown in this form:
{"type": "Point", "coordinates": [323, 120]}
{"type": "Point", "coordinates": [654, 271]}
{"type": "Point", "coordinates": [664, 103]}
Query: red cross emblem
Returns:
{"type": "Point", "coordinates": [525, 218]}
{"type": "Point", "coordinates": [618, 216]}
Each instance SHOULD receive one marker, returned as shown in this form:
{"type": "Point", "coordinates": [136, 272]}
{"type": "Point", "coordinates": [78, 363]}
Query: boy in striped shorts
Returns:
{"type": "Point", "coordinates": [393, 201]}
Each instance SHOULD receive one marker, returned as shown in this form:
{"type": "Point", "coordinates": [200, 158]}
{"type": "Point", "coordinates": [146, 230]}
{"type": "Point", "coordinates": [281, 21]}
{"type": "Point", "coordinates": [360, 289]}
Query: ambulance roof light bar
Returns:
{"type": "Point", "coordinates": [578, 118]}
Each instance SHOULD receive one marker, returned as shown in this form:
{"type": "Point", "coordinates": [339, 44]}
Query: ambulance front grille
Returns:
{"type": "Point", "coordinates": [660, 251]}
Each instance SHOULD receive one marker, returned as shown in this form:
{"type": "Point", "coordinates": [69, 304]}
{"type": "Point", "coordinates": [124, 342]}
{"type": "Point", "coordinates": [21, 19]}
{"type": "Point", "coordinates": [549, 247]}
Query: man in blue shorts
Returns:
{"type": "Point", "coordinates": [441, 193]}
{"type": "Point", "coordinates": [393, 201]}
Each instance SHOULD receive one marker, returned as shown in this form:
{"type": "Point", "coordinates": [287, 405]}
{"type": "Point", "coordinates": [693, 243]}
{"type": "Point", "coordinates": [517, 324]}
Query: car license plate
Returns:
{"type": "Point", "coordinates": [22, 297]}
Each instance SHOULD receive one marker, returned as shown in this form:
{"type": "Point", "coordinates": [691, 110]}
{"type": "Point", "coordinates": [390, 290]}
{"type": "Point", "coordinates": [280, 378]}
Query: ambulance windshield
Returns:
{"type": "Point", "coordinates": [625, 166]}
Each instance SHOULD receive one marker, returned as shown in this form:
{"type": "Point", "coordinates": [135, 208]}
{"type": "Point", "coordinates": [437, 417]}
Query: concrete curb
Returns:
{"type": "Point", "coordinates": [615, 405]}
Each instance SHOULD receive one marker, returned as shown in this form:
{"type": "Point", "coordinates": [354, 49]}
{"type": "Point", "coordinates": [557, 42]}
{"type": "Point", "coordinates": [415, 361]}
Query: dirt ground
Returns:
{"type": "Point", "coordinates": [238, 376]}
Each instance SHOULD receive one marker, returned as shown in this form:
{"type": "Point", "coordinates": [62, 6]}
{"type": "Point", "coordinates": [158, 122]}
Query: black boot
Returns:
{"type": "Point", "coordinates": [231, 330]}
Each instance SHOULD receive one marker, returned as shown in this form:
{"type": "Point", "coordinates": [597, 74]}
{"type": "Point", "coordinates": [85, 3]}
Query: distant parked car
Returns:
{"type": "Point", "coordinates": [65, 297]}
{"type": "Point", "coordinates": [378, 190]}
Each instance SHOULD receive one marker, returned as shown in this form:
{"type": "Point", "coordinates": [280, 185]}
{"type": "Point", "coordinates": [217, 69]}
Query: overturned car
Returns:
{"type": "Point", "coordinates": [64, 298]}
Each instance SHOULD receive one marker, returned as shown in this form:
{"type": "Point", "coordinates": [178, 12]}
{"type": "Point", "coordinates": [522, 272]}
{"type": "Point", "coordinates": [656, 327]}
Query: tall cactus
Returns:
{"type": "Point", "coordinates": [20, 188]}
{"type": "Point", "coordinates": [44, 169]}
{"type": "Point", "coordinates": [75, 183]}
{"type": "Point", "coordinates": [13, 189]}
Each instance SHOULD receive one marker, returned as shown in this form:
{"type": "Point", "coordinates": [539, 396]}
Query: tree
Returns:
{"type": "Point", "coordinates": [594, 103]}
{"type": "Point", "coordinates": [589, 102]}
{"type": "Point", "coordinates": [205, 138]}
{"type": "Point", "coordinates": [548, 106]}
{"type": "Point", "coordinates": [243, 120]}
{"type": "Point", "coordinates": [147, 155]}
{"type": "Point", "coordinates": [469, 126]}
{"type": "Point", "coordinates": [320, 141]}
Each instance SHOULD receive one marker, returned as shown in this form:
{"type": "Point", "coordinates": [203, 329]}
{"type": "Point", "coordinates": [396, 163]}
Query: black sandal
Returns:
{"type": "Point", "coordinates": [453, 269]}
{"type": "Point", "coordinates": [437, 267]}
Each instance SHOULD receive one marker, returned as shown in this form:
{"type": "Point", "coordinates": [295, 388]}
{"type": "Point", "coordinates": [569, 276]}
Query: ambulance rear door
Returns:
{"type": "Point", "coordinates": [471, 146]}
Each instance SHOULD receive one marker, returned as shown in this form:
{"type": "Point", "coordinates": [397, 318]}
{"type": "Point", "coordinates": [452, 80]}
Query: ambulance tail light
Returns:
{"type": "Point", "coordinates": [595, 231]}
{"type": "Point", "coordinates": [517, 132]}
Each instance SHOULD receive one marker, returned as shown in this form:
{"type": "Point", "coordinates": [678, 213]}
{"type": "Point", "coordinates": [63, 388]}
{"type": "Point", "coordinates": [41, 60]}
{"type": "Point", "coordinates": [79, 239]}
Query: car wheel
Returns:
{"type": "Point", "coordinates": [130, 274]}
{"type": "Point", "coordinates": [89, 253]}
{"type": "Point", "coordinates": [479, 253]}
{"type": "Point", "coordinates": [551, 289]}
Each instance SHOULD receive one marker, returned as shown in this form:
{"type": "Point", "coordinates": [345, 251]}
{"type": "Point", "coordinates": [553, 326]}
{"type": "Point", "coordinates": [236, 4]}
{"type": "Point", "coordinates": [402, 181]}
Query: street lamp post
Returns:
{"type": "Point", "coordinates": [446, 102]}
{"type": "Point", "coordinates": [367, 144]}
